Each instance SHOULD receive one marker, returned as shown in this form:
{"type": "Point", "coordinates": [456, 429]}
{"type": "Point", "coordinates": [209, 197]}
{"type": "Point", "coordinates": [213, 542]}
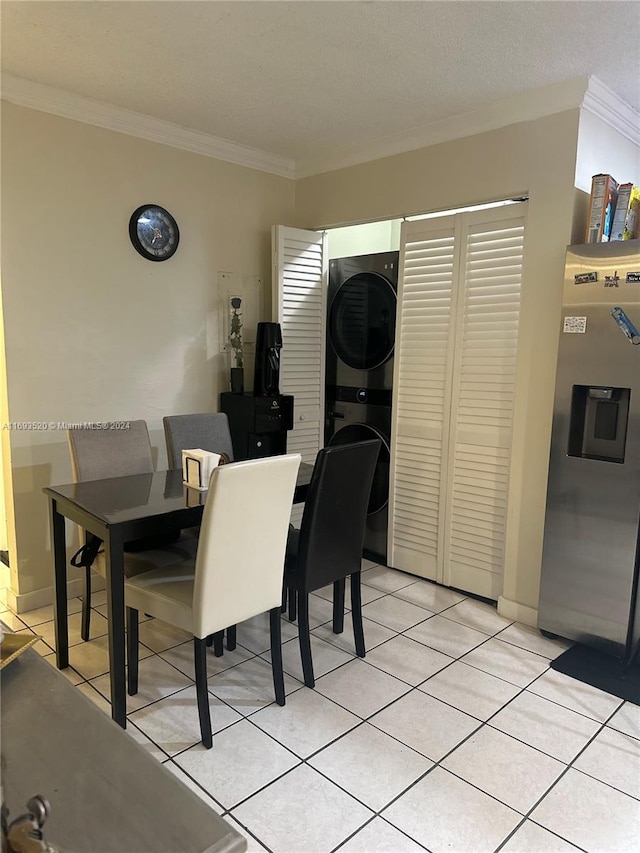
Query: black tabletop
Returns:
{"type": "Point", "coordinates": [121, 499]}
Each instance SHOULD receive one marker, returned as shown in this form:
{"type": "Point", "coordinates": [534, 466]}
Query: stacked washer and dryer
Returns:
{"type": "Point", "coordinates": [362, 301]}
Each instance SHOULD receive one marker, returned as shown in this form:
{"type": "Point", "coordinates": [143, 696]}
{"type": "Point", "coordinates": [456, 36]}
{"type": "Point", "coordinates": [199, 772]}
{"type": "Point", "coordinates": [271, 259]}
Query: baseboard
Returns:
{"type": "Point", "coordinates": [24, 602]}
{"type": "Point", "coordinates": [518, 612]}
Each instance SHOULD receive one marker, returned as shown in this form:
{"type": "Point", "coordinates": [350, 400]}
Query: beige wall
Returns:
{"type": "Point", "coordinates": [93, 331]}
{"type": "Point", "coordinates": [364, 239]}
{"type": "Point", "coordinates": [537, 158]}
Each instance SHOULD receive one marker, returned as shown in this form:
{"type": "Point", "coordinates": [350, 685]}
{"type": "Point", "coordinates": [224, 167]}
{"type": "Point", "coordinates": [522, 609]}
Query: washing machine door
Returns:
{"type": "Point", "coordinates": [362, 321]}
{"type": "Point", "coordinates": [380, 487]}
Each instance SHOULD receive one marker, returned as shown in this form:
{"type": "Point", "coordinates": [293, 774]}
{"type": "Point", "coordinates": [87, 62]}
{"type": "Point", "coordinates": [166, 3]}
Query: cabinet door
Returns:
{"type": "Point", "coordinates": [299, 305]}
{"type": "Point", "coordinates": [456, 343]}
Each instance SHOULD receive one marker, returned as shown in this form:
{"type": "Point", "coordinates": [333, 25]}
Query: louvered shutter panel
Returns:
{"type": "Point", "coordinates": [486, 335]}
{"type": "Point", "coordinates": [422, 379]}
{"type": "Point", "coordinates": [299, 296]}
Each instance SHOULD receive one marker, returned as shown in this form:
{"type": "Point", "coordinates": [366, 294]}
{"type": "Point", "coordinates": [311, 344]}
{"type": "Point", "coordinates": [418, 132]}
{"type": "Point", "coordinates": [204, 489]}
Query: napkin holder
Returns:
{"type": "Point", "coordinates": [197, 466]}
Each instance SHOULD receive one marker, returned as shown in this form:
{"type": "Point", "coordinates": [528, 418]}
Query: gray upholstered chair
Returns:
{"type": "Point", "coordinates": [207, 431]}
{"type": "Point", "coordinates": [237, 572]}
{"type": "Point", "coordinates": [98, 454]}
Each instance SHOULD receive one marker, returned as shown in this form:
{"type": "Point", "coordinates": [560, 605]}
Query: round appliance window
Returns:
{"type": "Point", "coordinates": [362, 321]}
{"type": "Point", "coordinates": [380, 487]}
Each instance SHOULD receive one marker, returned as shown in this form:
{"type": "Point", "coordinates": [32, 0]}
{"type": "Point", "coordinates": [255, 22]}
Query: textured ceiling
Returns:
{"type": "Point", "coordinates": [306, 79]}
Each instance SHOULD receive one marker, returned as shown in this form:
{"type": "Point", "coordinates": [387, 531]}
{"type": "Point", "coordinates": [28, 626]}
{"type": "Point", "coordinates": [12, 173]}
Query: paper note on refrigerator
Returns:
{"type": "Point", "coordinates": [575, 325]}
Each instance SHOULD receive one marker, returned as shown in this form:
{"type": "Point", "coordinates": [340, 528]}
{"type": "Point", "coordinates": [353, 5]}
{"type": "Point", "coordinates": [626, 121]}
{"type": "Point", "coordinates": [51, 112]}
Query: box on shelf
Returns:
{"type": "Point", "coordinates": [604, 192]}
{"type": "Point", "coordinates": [197, 465]}
{"type": "Point", "coordinates": [627, 216]}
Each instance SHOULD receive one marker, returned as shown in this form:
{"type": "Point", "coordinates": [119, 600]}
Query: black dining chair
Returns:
{"type": "Point", "coordinates": [328, 546]}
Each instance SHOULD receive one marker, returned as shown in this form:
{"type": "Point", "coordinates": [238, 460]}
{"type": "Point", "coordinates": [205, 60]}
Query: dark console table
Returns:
{"type": "Point", "coordinates": [258, 425]}
{"type": "Point", "coordinates": [107, 794]}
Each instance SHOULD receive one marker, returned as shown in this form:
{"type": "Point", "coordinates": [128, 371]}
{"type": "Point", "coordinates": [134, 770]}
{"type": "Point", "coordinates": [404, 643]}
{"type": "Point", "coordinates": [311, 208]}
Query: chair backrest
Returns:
{"type": "Point", "coordinates": [335, 513]}
{"type": "Point", "coordinates": [243, 538]}
{"type": "Point", "coordinates": [97, 454]}
{"type": "Point", "coordinates": [208, 431]}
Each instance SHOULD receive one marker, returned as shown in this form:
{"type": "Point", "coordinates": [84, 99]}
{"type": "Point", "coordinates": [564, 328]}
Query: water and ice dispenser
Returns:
{"type": "Point", "coordinates": [598, 423]}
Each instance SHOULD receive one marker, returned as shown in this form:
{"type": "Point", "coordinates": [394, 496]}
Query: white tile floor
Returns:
{"type": "Point", "coordinates": [452, 735]}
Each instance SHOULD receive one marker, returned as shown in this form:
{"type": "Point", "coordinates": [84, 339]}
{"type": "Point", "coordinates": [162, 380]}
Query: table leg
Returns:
{"type": "Point", "coordinates": [59, 547]}
{"type": "Point", "coordinates": [114, 558]}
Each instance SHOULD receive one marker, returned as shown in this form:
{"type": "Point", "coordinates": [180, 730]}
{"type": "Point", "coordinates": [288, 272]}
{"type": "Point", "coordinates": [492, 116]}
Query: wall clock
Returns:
{"type": "Point", "coordinates": [154, 232]}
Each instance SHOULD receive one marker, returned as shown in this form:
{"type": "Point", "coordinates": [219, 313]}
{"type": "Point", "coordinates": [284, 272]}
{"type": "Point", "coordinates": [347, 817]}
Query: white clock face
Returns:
{"type": "Point", "coordinates": [154, 232]}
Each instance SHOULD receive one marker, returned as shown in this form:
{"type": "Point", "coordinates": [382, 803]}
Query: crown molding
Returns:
{"type": "Point", "coordinates": [526, 106]}
{"type": "Point", "coordinates": [590, 94]}
{"type": "Point", "coordinates": [48, 99]}
{"type": "Point", "coordinates": [603, 102]}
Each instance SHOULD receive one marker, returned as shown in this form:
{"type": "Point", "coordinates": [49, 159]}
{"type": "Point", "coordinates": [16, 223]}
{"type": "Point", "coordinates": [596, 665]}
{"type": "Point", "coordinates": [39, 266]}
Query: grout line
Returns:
{"type": "Point", "coordinates": [380, 817]}
{"type": "Point", "coordinates": [564, 773]}
{"type": "Point", "coordinates": [170, 760]}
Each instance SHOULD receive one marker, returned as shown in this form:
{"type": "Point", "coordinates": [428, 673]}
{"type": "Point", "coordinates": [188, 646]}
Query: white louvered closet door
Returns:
{"type": "Point", "coordinates": [421, 396]}
{"type": "Point", "coordinates": [299, 305]}
{"type": "Point", "coordinates": [449, 501]}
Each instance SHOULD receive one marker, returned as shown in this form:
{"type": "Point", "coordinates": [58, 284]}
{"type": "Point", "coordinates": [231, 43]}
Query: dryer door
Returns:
{"type": "Point", "coordinates": [380, 487]}
{"type": "Point", "coordinates": [362, 321]}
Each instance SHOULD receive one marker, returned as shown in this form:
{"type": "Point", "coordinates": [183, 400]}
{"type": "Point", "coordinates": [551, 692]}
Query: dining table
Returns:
{"type": "Point", "coordinates": [119, 510]}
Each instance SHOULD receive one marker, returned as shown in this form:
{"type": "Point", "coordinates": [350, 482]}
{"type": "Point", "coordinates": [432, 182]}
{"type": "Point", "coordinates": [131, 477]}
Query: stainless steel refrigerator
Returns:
{"type": "Point", "coordinates": [589, 584]}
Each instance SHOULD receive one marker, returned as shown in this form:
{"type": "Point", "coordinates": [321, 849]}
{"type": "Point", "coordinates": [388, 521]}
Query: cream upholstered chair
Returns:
{"type": "Point", "coordinates": [238, 570]}
{"type": "Point", "coordinates": [98, 454]}
{"type": "Point", "coordinates": [207, 431]}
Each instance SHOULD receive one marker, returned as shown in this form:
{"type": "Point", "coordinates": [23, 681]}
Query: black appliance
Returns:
{"type": "Point", "coordinates": [359, 371]}
{"type": "Point", "coordinates": [267, 370]}
{"type": "Point", "coordinates": [259, 422]}
{"type": "Point", "coordinates": [349, 419]}
{"type": "Point", "coordinates": [361, 321]}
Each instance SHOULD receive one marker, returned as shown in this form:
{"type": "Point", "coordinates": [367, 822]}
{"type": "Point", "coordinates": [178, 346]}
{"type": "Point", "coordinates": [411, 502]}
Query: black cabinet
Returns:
{"type": "Point", "coordinates": [258, 425]}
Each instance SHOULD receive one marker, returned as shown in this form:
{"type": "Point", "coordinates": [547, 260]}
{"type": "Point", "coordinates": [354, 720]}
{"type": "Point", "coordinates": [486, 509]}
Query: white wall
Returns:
{"type": "Point", "coordinates": [535, 158]}
{"type": "Point", "coordinates": [93, 331]}
{"type": "Point", "coordinates": [602, 149]}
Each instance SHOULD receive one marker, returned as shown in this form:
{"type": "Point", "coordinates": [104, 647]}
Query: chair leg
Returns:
{"type": "Point", "coordinates": [200, 663]}
{"type": "Point", "coordinates": [283, 608]}
{"type": "Point", "coordinates": [338, 606]}
{"type": "Point", "coordinates": [305, 638]}
{"type": "Point", "coordinates": [293, 600]}
{"type": "Point", "coordinates": [231, 638]}
{"type": "Point", "coordinates": [356, 614]}
{"type": "Point", "coordinates": [132, 651]}
{"type": "Point", "coordinates": [86, 604]}
{"type": "Point", "coordinates": [218, 647]}
{"type": "Point", "coordinates": [276, 655]}
{"type": "Point", "coordinates": [209, 640]}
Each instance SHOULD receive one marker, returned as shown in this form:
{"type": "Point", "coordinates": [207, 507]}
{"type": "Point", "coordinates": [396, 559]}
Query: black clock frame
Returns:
{"type": "Point", "coordinates": [135, 238]}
